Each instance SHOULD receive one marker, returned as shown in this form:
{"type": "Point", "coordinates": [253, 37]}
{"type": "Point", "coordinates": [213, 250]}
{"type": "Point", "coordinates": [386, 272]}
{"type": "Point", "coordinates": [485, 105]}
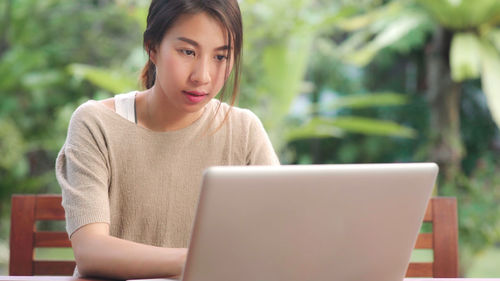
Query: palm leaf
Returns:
{"type": "Point", "coordinates": [315, 128]}
{"type": "Point", "coordinates": [368, 19]}
{"type": "Point", "coordinates": [465, 57]}
{"type": "Point", "coordinates": [322, 127]}
{"type": "Point", "coordinates": [368, 100]}
{"type": "Point", "coordinates": [370, 126]}
{"type": "Point", "coordinates": [495, 38]}
{"type": "Point", "coordinates": [490, 58]}
{"type": "Point", "coordinates": [393, 32]}
{"type": "Point", "coordinates": [464, 14]}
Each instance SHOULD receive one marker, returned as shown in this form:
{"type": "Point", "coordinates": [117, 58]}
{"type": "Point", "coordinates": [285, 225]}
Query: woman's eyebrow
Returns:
{"type": "Point", "coordinates": [195, 44]}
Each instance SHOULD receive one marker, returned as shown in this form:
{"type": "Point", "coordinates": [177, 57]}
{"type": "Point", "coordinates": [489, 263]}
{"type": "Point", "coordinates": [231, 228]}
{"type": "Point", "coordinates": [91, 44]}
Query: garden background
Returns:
{"type": "Point", "coordinates": [334, 81]}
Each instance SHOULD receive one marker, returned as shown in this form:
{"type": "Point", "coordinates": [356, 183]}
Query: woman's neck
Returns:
{"type": "Point", "coordinates": [154, 112]}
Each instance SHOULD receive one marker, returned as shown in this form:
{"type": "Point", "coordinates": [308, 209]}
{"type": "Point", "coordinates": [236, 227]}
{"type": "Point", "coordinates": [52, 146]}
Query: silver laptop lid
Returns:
{"type": "Point", "coordinates": [314, 222]}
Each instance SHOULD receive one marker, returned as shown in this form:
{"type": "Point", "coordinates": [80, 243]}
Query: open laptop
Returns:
{"type": "Point", "coordinates": [312, 222]}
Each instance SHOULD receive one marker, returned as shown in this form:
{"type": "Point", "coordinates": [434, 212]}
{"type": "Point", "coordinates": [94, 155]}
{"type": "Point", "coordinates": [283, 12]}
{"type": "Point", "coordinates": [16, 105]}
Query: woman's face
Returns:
{"type": "Point", "coordinates": [191, 62]}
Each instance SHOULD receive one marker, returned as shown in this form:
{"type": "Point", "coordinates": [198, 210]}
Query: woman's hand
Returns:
{"type": "Point", "coordinates": [180, 261]}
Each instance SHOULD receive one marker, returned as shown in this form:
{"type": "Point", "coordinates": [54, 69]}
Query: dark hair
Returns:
{"type": "Point", "coordinates": [162, 16]}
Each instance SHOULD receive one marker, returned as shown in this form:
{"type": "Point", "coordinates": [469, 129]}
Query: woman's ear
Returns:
{"type": "Point", "coordinates": [151, 53]}
{"type": "Point", "coordinates": [152, 56]}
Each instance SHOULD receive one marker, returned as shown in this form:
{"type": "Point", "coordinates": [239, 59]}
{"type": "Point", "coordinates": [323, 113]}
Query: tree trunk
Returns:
{"type": "Point", "coordinates": [444, 98]}
{"type": "Point", "coordinates": [4, 28]}
{"type": "Point", "coordinates": [315, 143]}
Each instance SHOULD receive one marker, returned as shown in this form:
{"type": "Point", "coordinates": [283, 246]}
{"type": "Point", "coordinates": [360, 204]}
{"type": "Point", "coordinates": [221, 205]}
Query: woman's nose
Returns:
{"type": "Point", "coordinates": [201, 72]}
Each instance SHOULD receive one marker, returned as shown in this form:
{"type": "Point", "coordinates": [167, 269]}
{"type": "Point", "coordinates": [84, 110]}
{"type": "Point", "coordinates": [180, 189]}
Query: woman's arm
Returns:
{"type": "Point", "coordinates": [101, 255]}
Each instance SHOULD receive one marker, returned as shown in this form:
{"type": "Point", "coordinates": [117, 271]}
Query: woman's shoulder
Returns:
{"type": "Point", "coordinates": [108, 103]}
{"type": "Point", "coordinates": [93, 112]}
{"type": "Point", "coordinates": [236, 114]}
{"type": "Point", "coordinates": [89, 106]}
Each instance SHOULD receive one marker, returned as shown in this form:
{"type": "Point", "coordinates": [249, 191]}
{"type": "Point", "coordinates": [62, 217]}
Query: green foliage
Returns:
{"type": "Point", "coordinates": [494, 36]}
{"type": "Point", "coordinates": [122, 75]}
{"type": "Point", "coordinates": [12, 148]}
{"type": "Point", "coordinates": [393, 25]}
{"type": "Point", "coordinates": [275, 59]}
{"type": "Point", "coordinates": [465, 56]}
{"type": "Point", "coordinates": [486, 264]}
{"type": "Point", "coordinates": [13, 165]}
{"type": "Point", "coordinates": [473, 56]}
{"type": "Point", "coordinates": [348, 91]}
{"type": "Point", "coordinates": [363, 101]}
{"type": "Point", "coordinates": [462, 14]}
{"type": "Point", "coordinates": [114, 81]}
{"type": "Point", "coordinates": [337, 127]}
{"type": "Point", "coordinates": [38, 41]}
{"type": "Point", "coordinates": [394, 22]}
{"type": "Point", "coordinates": [490, 58]}
{"type": "Point", "coordinates": [479, 205]}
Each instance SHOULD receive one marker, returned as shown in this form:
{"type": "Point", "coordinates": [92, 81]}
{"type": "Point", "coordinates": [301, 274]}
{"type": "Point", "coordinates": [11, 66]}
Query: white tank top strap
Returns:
{"type": "Point", "coordinates": [125, 106]}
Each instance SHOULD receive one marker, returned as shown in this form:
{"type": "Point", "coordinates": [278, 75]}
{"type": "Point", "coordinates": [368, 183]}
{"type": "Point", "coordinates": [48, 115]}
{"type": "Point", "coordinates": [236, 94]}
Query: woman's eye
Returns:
{"type": "Point", "coordinates": [187, 52]}
{"type": "Point", "coordinates": [220, 57]}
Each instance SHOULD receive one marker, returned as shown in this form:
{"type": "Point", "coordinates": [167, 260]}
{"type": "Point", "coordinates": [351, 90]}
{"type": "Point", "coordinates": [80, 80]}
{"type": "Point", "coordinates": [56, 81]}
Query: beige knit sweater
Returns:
{"type": "Point", "coordinates": [145, 184]}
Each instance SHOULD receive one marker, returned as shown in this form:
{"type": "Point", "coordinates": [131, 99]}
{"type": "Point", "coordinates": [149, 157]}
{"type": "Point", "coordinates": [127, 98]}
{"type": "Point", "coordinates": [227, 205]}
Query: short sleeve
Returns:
{"type": "Point", "coordinates": [260, 150]}
{"type": "Point", "coordinates": [82, 171]}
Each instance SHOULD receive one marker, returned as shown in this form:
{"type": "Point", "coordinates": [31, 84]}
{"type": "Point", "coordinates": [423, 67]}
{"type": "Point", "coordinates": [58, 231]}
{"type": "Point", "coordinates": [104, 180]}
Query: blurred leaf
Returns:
{"type": "Point", "coordinates": [12, 148]}
{"type": "Point", "coordinates": [321, 127]}
{"type": "Point", "coordinates": [366, 19]}
{"type": "Point", "coordinates": [373, 127]}
{"type": "Point", "coordinates": [113, 81]}
{"type": "Point", "coordinates": [415, 38]}
{"type": "Point", "coordinates": [462, 14]}
{"type": "Point", "coordinates": [315, 128]}
{"type": "Point", "coordinates": [367, 100]}
{"type": "Point", "coordinates": [16, 63]}
{"type": "Point", "coordinates": [140, 14]}
{"type": "Point", "coordinates": [491, 78]}
{"type": "Point", "coordinates": [328, 20]}
{"type": "Point", "coordinates": [277, 58]}
{"type": "Point", "coordinates": [389, 35]}
{"type": "Point", "coordinates": [465, 57]}
{"type": "Point", "coordinates": [495, 38]}
{"type": "Point", "coordinates": [354, 42]}
{"type": "Point", "coordinates": [285, 85]}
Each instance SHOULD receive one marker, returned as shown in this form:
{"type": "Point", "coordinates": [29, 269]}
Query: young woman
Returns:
{"type": "Point", "coordinates": [131, 166]}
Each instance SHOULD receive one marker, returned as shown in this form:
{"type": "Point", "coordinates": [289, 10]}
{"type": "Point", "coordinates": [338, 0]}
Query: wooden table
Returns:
{"type": "Point", "coordinates": [69, 278]}
{"type": "Point", "coordinates": [66, 278]}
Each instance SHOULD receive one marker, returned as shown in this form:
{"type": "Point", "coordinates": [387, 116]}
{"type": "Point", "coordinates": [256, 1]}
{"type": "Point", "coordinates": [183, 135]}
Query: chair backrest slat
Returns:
{"type": "Point", "coordinates": [420, 269]}
{"type": "Point", "coordinates": [53, 267]}
{"type": "Point", "coordinates": [48, 207]}
{"type": "Point", "coordinates": [24, 238]}
{"type": "Point", "coordinates": [424, 241]}
{"type": "Point", "coordinates": [51, 239]}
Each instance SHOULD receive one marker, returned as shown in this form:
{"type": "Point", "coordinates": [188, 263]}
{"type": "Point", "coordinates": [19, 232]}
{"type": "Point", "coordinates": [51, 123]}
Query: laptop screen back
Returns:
{"type": "Point", "coordinates": [314, 222]}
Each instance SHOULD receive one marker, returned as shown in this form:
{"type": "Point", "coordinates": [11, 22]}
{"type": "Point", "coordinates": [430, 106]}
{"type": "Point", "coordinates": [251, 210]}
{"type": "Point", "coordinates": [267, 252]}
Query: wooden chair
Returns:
{"type": "Point", "coordinates": [24, 237]}
{"type": "Point", "coordinates": [27, 209]}
{"type": "Point", "coordinates": [442, 213]}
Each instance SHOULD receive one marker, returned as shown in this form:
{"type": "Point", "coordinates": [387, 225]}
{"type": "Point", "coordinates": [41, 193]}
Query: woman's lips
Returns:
{"type": "Point", "coordinates": [194, 96]}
